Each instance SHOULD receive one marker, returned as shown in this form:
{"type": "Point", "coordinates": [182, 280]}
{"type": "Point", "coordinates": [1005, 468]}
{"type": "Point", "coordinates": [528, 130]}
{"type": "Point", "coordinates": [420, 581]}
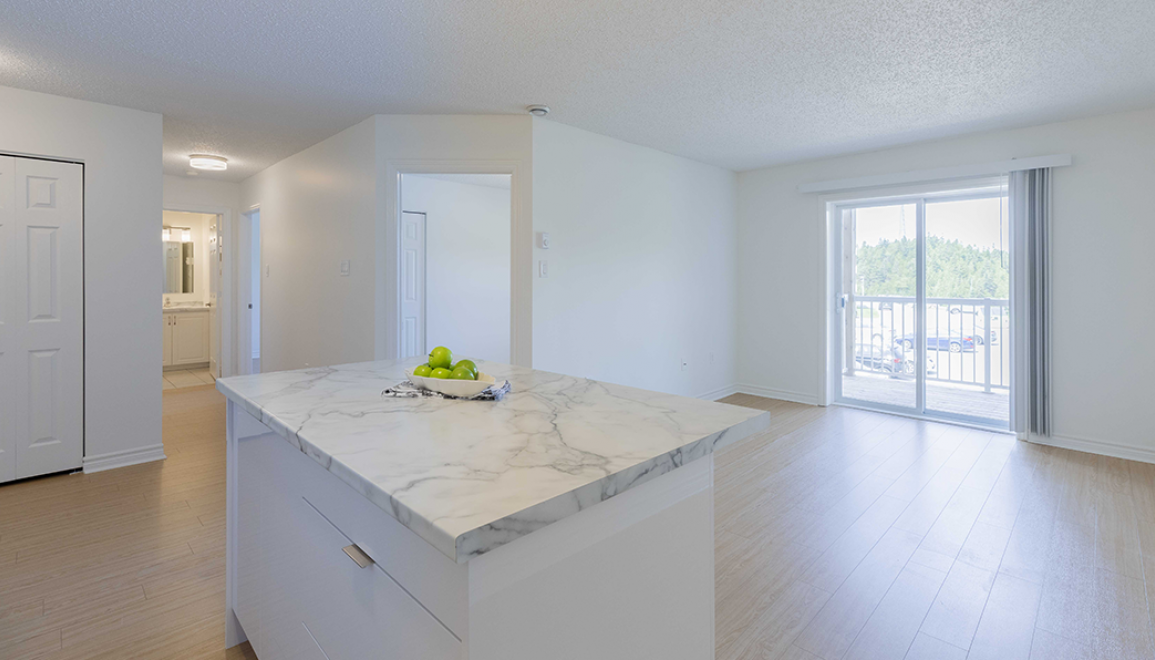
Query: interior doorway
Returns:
{"type": "Point", "coordinates": [454, 280]}
{"type": "Point", "coordinates": [190, 295]}
{"type": "Point", "coordinates": [923, 295]}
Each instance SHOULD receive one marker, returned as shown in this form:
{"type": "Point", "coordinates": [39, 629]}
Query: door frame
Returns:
{"type": "Point", "coordinates": [388, 315]}
{"type": "Point", "coordinates": [831, 320]}
{"type": "Point", "coordinates": [243, 264]}
{"type": "Point", "coordinates": [226, 356]}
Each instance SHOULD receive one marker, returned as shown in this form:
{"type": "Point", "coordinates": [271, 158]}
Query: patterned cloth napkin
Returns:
{"type": "Point", "coordinates": [407, 390]}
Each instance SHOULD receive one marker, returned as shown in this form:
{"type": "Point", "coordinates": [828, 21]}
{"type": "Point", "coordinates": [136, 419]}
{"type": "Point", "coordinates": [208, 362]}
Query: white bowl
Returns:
{"type": "Point", "coordinates": [460, 388]}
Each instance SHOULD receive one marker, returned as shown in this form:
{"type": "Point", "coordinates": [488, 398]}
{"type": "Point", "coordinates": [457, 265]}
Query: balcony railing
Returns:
{"type": "Point", "coordinates": [967, 339]}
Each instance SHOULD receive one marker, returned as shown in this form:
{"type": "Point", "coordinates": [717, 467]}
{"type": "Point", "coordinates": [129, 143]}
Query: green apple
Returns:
{"type": "Point", "coordinates": [462, 373]}
{"type": "Point", "coordinates": [440, 372]}
{"type": "Point", "coordinates": [423, 371]}
{"type": "Point", "coordinates": [440, 358]}
{"type": "Point", "coordinates": [468, 364]}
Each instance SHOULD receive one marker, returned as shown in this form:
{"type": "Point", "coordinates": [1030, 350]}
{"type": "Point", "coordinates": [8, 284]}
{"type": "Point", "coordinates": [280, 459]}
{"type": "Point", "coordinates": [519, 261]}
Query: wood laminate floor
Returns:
{"type": "Point", "coordinates": [850, 534]}
{"type": "Point", "coordinates": [840, 533]}
{"type": "Point", "coordinates": [127, 563]}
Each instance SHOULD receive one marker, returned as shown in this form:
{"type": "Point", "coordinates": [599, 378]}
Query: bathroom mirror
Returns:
{"type": "Point", "coordinates": [178, 260]}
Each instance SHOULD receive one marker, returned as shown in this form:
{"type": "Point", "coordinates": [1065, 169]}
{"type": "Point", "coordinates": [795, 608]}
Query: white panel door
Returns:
{"type": "Point", "coordinates": [7, 319]}
{"type": "Point", "coordinates": [46, 346]}
{"type": "Point", "coordinates": [412, 284]}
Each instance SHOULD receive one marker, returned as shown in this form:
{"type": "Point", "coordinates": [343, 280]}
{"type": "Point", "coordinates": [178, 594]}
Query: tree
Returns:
{"type": "Point", "coordinates": [953, 270]}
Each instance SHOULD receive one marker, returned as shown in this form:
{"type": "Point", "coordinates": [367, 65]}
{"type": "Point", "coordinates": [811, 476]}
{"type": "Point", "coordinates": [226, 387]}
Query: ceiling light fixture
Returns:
{"type": "Point", "coordinates": [207, 162]}
{"type": "Point", "coordinates": [538, 110]}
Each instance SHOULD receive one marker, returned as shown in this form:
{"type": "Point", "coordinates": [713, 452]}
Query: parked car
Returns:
{"type": "Point", "coordinates": [953, 343]}
{"type": "Point", "coordinates": [893, 360]}
{"type": "Point", "coordinates": [971, 318]}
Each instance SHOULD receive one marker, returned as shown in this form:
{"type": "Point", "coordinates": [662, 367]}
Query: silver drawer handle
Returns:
{"type": "Point", "coordinates": [358, 555]}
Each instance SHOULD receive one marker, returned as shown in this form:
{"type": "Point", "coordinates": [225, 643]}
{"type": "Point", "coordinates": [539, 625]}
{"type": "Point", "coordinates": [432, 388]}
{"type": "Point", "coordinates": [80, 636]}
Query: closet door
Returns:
{"type": "Point", "coordinates": [45, 348]}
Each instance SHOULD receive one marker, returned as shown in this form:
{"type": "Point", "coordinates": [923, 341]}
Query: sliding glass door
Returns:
{"type": "Point", "coordinates": [880, 278]}
{"type": "Point", "coordinates": [923, 310]}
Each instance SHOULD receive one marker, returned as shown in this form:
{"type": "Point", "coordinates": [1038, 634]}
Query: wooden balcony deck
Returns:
{"type": "Point", "coordinates": [942, 397]}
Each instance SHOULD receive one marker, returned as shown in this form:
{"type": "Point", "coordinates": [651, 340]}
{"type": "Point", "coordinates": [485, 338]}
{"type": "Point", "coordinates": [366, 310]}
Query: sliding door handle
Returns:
{"type": "Point", "coordinates": [358, 555]}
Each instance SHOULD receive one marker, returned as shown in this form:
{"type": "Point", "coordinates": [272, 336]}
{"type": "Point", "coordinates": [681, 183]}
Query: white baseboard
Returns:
{"type": "Point", "coordinates": [719, 393]}
{"type": "Point", "coordinates": [124, 458]}
{"type": "Point", "coordinates": [782, 395]}
{"type": "Point", "coordinates": [1129, 452]}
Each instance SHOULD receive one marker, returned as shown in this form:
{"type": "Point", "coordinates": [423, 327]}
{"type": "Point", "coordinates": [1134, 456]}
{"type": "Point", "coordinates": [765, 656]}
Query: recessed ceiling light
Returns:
{"type": "Point", "coordinates": [538, 110]}
{"type": "Point", "coordinates": [207, 162]}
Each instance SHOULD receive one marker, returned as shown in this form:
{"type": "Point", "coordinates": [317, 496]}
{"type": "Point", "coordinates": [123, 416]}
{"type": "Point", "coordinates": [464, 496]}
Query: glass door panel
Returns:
{"type": "Point", "coordinates": [880, 278]}
{"type": "Point", "coordinates": [967, 307]}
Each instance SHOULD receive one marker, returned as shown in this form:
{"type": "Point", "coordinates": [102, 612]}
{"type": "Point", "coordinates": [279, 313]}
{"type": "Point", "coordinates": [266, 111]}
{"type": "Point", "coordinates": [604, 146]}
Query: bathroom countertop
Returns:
{"type": "Point", "coordinates": [184, 309]}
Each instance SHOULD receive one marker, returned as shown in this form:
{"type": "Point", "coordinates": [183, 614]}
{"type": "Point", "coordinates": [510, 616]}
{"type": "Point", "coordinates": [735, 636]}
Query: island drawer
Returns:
{"type": "Point", "coordinates": [360, 612]}
{"type": "Point", "coordinates": [440, 584]}
{"type": "Point", "coordinates": [303, 593]}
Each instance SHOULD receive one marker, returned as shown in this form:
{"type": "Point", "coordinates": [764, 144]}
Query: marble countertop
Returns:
{"type": "Point", "coordinates": [470, 476]}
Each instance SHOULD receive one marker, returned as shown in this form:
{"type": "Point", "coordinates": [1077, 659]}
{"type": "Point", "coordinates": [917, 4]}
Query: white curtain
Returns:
{"type": "Point", "coordinates": [1030, 215]}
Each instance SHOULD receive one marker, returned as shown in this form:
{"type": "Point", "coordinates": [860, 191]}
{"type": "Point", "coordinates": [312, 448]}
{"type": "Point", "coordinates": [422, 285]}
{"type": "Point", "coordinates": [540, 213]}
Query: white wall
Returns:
{"type": "Point", "coordinates": [121, 151]}
{"type": "Point", "coordinates": [338, 200]}
{"type": "Point", "coordinates": [187, 193]}
{"type": "Point", "coordinates": [642, 271]}
{"type": "Point", "coordinates": [318, 207]}
{"type": "Point", "coordinates": [1103, 233]}
{"type": "Point", "coordinates": [467, 265]}
{"type": "Point", "coordinates": [643, 274]}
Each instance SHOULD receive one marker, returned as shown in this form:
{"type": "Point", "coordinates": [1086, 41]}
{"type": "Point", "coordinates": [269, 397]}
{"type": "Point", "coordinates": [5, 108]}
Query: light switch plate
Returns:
{"type": "Point", "coordinates": [543, 268]}
{"type": "Point", "coordinates": [543, 240]}
{"type": "Point", "coordinates": [346, 267]}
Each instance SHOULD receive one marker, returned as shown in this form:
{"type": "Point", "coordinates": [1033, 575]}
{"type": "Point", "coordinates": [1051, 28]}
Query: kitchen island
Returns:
{"type": "Point", "coordinates": [571, 520]}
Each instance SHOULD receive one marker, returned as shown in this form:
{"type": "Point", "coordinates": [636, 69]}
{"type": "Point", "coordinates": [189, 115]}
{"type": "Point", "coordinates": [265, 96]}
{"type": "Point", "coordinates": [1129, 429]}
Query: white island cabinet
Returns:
{"type": "Point", "coordinates": [572, 520]}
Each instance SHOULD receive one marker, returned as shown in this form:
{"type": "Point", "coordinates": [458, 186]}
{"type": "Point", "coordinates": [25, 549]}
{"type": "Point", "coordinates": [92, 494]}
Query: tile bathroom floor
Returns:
{"type": "Point", "coordinates": [177, 379]}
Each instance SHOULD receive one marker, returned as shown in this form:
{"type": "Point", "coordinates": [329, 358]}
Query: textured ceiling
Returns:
{"type": "Point", "coordinates": [739, 84]}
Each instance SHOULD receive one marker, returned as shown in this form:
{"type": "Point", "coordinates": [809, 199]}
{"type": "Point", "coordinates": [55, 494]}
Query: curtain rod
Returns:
{"type": "Point", "coordinates": [937, 174]}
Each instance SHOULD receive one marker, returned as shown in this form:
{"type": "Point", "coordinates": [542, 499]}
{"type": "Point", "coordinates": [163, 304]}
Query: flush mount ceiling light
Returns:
{"type": "Point", "coordinates": [207, 162]}
{"type": "Point", "coordinates": [538, 110]}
